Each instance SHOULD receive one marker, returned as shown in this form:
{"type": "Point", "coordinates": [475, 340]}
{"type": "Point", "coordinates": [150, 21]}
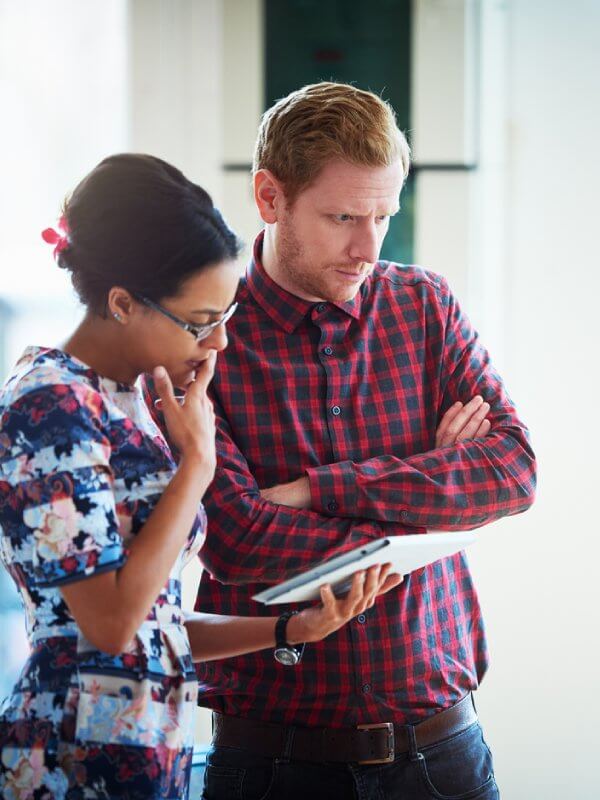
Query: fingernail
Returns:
{"type": "Point", "coordinates": [160, 372]}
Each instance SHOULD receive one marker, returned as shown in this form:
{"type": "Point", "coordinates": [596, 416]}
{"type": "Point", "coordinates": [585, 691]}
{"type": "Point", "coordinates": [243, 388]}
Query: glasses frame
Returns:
{"type": "Point", "coordinates": [199, 332]}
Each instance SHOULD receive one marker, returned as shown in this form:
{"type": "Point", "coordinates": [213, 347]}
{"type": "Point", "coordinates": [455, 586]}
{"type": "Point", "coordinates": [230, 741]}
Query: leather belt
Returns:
{"type": "Point", "coordinates": [377, 743]}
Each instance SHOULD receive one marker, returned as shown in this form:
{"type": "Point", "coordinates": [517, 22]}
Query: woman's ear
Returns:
{"type": "Point", "coordinates": [120, 304]}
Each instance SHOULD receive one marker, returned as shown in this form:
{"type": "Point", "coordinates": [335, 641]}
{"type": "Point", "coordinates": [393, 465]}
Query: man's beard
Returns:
{"type": "Point", "coordinates": [292, 263]}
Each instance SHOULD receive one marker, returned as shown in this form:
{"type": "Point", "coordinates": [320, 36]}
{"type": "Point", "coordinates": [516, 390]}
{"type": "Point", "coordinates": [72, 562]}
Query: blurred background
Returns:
{"type": "Point", "coordinates": [499, 99]}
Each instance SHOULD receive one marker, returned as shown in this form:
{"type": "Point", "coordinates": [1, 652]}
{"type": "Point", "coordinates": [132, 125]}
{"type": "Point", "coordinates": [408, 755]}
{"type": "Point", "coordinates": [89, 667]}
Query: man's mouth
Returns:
{"type": "Point", "coordinates": [353, 277]}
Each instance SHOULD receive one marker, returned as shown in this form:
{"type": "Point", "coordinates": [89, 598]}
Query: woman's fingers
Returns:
{"type": "Point", "coordinates": [390, 582]}
{"type": "Point", "coordinates": [164, 387]}
{"type": "Point", "coordinates": [354, 596]}
{"type": "Point", "coordinates": [320, 621]}
{"type": "Point", "coordinates": [327, 597]}
{"type": "Point", "coordinates": [369, 589]}
{"type": "Point", "coordinates": [204, 375]}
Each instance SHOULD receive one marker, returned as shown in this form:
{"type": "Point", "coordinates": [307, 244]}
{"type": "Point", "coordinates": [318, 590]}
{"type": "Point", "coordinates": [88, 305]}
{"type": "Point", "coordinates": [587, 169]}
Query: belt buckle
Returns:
{"type": "Point", "coordinates": [389, 726]}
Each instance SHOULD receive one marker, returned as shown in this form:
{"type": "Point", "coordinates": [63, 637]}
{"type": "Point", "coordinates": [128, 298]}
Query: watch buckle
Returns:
{"type": "Point", "coordinates": [389, 726]}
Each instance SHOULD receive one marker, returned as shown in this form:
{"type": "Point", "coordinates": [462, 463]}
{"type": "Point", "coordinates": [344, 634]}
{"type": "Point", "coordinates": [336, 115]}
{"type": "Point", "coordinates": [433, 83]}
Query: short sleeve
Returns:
{"type": "Point", "coordinates": [59, 520]}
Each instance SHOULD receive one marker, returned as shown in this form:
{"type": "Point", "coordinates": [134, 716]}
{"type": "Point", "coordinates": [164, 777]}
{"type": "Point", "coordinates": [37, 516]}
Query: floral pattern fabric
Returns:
{"type": "Point", "coordinates": [82, 464]}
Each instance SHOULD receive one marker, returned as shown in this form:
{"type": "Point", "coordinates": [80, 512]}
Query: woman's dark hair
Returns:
{"type": "Point", "coordinates": [136, 221]}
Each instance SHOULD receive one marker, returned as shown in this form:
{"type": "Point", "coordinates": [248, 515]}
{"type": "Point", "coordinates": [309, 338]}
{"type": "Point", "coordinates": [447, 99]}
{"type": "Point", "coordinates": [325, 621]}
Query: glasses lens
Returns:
{"type": "Point", "coordinates": [206, 330]}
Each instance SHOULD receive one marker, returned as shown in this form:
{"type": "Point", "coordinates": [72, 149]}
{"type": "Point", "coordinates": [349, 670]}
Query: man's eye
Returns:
{"type": "Point", "coordinates": [342, 217]}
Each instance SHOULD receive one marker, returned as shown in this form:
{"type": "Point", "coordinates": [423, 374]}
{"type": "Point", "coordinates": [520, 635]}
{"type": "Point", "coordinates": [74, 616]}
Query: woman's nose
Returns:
{"type": "Point", "coordinates": [217, 339]}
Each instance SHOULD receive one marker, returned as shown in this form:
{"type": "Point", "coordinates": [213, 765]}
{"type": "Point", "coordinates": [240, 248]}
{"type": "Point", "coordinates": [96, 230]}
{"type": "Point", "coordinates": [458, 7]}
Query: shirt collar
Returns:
{"type": "Point", "coordinates": [285, 308]}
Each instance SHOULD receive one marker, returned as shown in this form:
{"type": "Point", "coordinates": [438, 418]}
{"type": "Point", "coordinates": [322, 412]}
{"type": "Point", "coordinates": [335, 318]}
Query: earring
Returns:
{"type": "Point", "coordinates": [117, 317]}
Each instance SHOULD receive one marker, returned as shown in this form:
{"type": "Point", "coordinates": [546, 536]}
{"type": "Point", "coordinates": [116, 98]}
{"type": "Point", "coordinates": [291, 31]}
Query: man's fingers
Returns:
{"type": "Point", "coordinates": [461, 419]}
{"type": "Point", "coordinates": [472, 426]}
{"type": "Point", "coordinates": [462, 425]}
{"type": "Point", "coordinates": [445, 422]}
{"type": "Point", "coordinates": [484, 429]}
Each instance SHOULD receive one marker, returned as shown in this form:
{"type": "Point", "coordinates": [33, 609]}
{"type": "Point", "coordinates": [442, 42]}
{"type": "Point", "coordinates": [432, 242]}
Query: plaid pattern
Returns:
{"type": "Point", "coordinates": [351, 395]}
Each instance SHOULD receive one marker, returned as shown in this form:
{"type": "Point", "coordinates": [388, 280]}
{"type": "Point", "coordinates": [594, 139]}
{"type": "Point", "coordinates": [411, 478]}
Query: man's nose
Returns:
{"type": "Point", "coordinates": [366, 243]}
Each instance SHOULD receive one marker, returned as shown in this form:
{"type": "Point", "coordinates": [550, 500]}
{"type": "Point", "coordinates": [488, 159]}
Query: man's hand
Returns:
{"type": "Point", "coordinates": [460, 422]}
{"type": "Point", "coordinates": [295, 494]}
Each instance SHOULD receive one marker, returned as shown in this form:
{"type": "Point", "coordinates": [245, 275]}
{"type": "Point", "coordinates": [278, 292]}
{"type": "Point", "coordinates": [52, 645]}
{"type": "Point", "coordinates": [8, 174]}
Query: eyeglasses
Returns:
{"type": "Point", "coordinates": [199, 332]}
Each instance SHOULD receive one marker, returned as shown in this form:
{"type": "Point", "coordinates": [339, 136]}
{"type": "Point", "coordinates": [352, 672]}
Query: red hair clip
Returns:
{"type": "Point", "coordinates": [60, 238]}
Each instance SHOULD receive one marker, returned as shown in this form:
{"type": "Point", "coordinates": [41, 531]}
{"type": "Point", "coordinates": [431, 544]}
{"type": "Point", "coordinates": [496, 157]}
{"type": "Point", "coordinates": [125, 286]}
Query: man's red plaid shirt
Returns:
{"type": "Point", "coordinates": [351, 395]}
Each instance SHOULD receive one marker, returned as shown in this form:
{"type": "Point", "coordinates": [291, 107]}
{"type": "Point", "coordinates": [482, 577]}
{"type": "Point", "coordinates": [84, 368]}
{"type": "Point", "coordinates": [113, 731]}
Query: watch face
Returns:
{"type": "Point", "coordinates": [287, 656]}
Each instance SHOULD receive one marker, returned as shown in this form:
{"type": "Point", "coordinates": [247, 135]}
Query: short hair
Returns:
{"type": "Point", "coordinates": [136, 221]}
{"type": "Point", "coordinates": [323, 122]}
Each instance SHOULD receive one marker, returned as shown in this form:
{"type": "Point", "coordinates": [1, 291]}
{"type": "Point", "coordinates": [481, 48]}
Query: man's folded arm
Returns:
{"type": "Point", "coordinates": [251, 540]}
{"type": "Point", "coordinates": [460, 486]}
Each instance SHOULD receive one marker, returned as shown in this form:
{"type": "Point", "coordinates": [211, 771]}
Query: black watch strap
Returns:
{"type": "Point", "coordinates": [281, 629]}
{"type": "Point", "coordinates": [285, 653]}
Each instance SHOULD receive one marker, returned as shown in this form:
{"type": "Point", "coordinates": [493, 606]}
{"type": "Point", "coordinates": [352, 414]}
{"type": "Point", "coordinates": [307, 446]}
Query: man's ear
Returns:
{"type": "Point", "coordinates": [268, 195]}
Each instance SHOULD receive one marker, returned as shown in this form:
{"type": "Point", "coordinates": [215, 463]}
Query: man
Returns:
{"type": "Point", "coordinates": [354, 401]}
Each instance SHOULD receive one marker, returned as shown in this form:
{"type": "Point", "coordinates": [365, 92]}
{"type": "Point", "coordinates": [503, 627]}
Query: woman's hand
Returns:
{"type": "Point", "coordinates": [314, 624]}
{"type": "Point", "coordinates": [191, 423]}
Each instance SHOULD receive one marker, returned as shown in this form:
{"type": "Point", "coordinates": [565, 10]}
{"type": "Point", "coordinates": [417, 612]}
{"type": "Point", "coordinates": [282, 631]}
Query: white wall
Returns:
{"type": "Point", "coordinates": [63, 101]}
{"type": "Point", "coordinates": [537, 573]}
{"type": "Point", "coordinates": [175, 85]}
{"type": "Point", "coordinates": [517, 238]}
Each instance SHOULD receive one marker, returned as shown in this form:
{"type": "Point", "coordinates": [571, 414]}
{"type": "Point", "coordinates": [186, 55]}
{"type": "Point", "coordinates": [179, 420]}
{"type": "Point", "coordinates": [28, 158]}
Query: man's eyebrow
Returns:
{"type": "Point", "coordinates": [390, 213]}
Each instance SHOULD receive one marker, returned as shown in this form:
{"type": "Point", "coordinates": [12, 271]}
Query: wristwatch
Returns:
{"type": "Point", "coordinates": [287, 654]}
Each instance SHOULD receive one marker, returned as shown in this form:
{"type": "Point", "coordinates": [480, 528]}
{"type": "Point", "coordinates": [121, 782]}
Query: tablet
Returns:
{"type": "Point", "coordinates": [404, 553]}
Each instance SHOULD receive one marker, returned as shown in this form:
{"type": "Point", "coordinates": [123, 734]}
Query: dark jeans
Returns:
{"type": "Point", "coordinates": [458, 768]}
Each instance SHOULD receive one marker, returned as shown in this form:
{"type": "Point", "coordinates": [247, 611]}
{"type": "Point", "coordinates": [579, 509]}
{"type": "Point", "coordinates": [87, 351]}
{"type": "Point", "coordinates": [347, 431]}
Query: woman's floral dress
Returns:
{"type": "Point", "coordinates": [82, 464]}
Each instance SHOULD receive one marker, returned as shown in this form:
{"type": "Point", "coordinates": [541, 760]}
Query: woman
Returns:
{"type": "Point", "coordinates": [97, 518]}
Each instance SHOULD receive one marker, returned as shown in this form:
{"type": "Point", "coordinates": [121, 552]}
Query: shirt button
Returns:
{"type": "Point", "coordinates": [336, 411]}
{"type": "Point", "coordinates": [321, 307]}
{"type": "Point", "coordinates": [332, 505]}
{"type": "Point", "coordinates": [366, 687]}
{"type": "Point", "coordinates": [361, 618]}
{"type": "Point", "coordinates": [328, 351]}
